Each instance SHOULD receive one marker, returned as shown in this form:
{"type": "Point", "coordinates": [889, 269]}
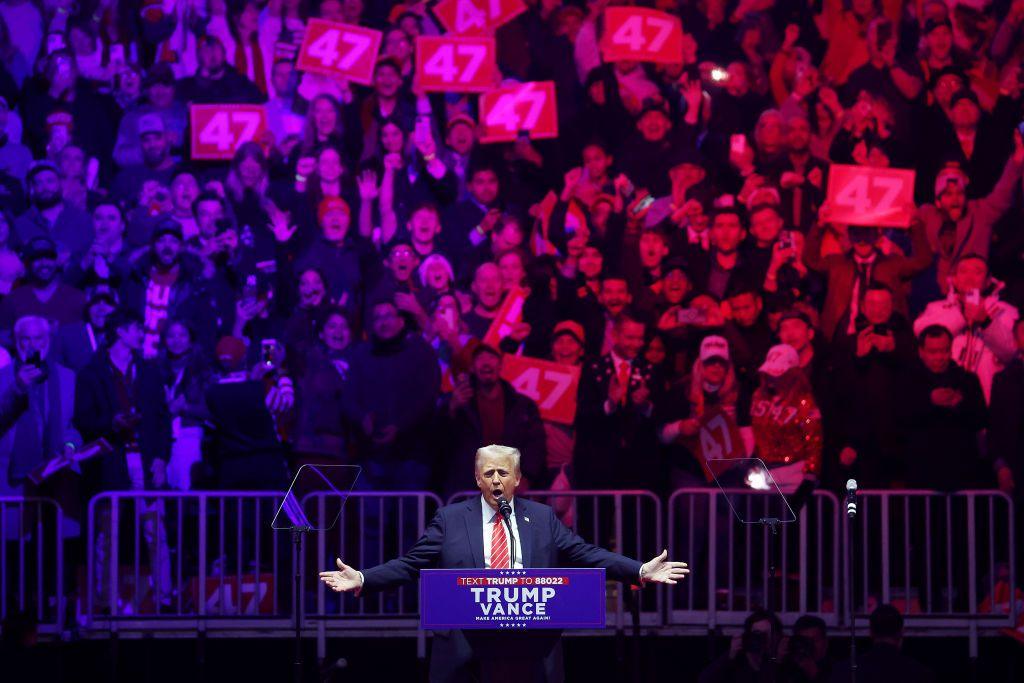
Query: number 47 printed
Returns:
{"type": "Point", "coordinates": [526, 108]}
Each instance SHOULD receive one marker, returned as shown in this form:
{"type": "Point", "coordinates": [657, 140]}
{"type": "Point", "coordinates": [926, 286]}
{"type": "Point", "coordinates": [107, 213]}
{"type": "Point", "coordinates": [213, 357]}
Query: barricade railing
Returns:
{"type": "Point", "coordinates": [730, 560]}
{"type": "Point", "coordinates": [165, 556]}
{"type": "Point", "coordinates": [625, 521]}
{"type": "Point", "coordinates": [943, 559]}
{"type": "Point", "coordinates": [32, 577]}
{"type": "Point", "coordinates": [212, 556]}
{"type": "Point", "coordinates": [209, 560]}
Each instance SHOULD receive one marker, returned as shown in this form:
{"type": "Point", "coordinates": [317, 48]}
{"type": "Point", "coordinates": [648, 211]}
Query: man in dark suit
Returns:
{"type": "Point", "coordinates": [616, 443]}
{"type": "Point", "coordinates": [469, 535]}
{"type": "Point", "coordinates": [884, 663]}
{"type": "Point", "coordinates": [851, 273]}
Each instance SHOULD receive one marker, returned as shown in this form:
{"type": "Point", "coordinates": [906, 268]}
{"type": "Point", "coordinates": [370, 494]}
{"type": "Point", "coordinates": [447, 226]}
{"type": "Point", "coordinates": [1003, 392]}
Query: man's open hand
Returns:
{"type": "Point", "coordinates": [343, 581]}
{"type": "Point", "coordinates": [661, 570]}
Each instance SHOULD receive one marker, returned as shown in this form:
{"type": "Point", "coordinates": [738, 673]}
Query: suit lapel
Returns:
{"type": "Point", "coordinates": [475, 529]}
{"type": "Point", "coordinates": [525, 531]}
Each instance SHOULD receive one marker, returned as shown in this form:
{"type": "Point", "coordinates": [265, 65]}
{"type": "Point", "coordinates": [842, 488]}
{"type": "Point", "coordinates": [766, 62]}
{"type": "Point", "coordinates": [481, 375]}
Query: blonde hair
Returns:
{"type": "Point", "coordinates": [498, 451]}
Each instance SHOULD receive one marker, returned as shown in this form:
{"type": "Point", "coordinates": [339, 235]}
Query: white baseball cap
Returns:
{"type": "Point", "coordinates": [781, 358]}
{"type": "Point", "coordinates": [714, 346]}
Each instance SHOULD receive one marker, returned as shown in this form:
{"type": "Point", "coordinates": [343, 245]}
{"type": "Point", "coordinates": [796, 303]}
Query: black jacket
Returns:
{"type": "Point", "coordinates": [96, 405]}
{"type": "Point", "coordinates": [523, 429]}
{"type": "Point", "coordinates": [942, 443]}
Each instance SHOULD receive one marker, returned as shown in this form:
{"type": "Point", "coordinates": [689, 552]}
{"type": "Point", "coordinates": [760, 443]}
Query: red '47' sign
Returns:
{"type": "Point", "coordinates": [476, 17]}
{"type": "Point", "coordinates": [459, 64]}
{"type": "Point", "coordinates": [340, 50]}
{"type": "Point", "coordinates": [866, 195]}
{"type": "Point", "coordinates": [527, 107]}
{"type": "Point", "coordinates": [219, 129]}
{"type": "Point", "coordinates": [552, 386]}
{"type": "Point", "coordinates": [644, 35]}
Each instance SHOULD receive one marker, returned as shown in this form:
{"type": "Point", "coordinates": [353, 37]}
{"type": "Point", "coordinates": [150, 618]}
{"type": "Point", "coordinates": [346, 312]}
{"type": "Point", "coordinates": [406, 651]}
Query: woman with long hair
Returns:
{"type": "Point", "coordinates": [320, 429]}
{"type": "Point", "coordinates": [710, 392]}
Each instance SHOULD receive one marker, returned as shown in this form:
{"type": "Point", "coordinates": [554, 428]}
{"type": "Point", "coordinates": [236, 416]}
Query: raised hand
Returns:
{"type": "Point", "coordinates": [344, 580]}
{"type": "Point", "coordinates": [661, 570]}
{"type": "Point", "coordinates": [368, 189]}
{"type": "Point", "coordinates": [280, 225]}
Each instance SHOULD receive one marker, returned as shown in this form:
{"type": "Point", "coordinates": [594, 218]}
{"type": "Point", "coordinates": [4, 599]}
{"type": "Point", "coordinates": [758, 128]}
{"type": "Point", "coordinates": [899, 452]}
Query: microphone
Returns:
{"type": "Point", "coordinates": [505, 510]}
{"type": "Point", "coordinates": [851, 498]}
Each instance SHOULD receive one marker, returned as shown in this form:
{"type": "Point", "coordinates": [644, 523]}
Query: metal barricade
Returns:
{"type": "Point", "coordinates": [938, 557]}
{"type": "Point", "coordinates": [729, 561]}
{"type": "Point", "coordinates": [32, 578]}
{"type": "Point", "coordinates": [376, 526]}
{"type": "Point", "coordinates": [627, 522]}
{"type": "Point", "coordinates": [209, 558]}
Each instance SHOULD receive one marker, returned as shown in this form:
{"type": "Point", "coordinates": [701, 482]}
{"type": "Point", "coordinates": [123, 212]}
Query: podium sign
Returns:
{"type": "Point", "coordinates": [512, 598]}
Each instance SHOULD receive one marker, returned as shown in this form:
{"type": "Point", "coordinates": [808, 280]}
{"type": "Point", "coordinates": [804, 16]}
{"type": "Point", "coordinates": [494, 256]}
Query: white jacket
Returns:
{"type": "Point", "coordinates": [981, 350]}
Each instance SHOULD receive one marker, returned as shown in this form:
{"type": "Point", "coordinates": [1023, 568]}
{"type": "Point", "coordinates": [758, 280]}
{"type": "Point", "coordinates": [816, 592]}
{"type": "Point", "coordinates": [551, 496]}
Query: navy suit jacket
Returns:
{"type": "Point", "coordinates": [454, 539]}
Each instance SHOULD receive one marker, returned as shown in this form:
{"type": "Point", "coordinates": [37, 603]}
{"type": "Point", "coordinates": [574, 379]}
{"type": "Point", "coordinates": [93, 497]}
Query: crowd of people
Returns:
{"type": "Point", "coordinates": [350, 285]}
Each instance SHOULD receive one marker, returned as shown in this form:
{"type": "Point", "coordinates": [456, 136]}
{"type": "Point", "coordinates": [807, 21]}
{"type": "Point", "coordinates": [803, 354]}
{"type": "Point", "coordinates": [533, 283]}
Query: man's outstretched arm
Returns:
{"type": "Point", "coordinates": [657, 570]}
{"type": "Point", "coordinates": [393, 573]}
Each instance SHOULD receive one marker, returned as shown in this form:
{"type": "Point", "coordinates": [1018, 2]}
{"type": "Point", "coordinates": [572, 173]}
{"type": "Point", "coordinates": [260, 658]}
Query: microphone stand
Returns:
{"type": "Point", "coordinates": [851, 513]}
{"type": "Point", "coordinates": [505, 510]}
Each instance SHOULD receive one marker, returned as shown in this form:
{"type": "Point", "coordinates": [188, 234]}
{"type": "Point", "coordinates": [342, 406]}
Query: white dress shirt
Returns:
{"type": "Point", "coordinates": [489, 515]}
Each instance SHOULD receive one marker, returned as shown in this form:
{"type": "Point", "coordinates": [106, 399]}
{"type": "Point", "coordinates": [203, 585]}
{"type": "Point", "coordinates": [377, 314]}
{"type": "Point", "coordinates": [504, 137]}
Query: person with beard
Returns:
{"type": "Point", "coordinates": [50, 216]}
{"type": "Point", "coordinates": [944, 413]}
{"type": "Point", "coordinates": [389, 400]}
{"type": "Point", "coordinates": [157, 162]}
{"type": "Point", "coordinates": [167, 283]}
{"type": "Point", "coordinates": [616, 440]}
{"type": "Point", "coordinates": [485, 409]}
{"type": "Point", "coordinates": [42, 294]}
{"type": "Point", "coordinates": [713, 270]}
{"type": "Point", "coordinates": [41, 397]}
{"type": "Point", "coordinates": [956, 225]}
{"type": "Point", "coordinates": [74, 344]}
{"type": "Point", "coordinates": [799, 175]}
{"type": "Point", "coordinates": [870, 382]}
{"type": "Point", "coordinates": [214, 82]}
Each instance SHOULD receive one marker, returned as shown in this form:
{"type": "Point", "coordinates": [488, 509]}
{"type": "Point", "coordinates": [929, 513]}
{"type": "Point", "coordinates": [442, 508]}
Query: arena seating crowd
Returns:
{"type": "Point", "coordinates": [352, 286]}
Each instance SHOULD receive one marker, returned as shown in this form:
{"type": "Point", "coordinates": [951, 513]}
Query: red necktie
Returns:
{"type": "Point", "coordinates": [499, 545]}
{"type": "Point", "coordinates": [624, 372]}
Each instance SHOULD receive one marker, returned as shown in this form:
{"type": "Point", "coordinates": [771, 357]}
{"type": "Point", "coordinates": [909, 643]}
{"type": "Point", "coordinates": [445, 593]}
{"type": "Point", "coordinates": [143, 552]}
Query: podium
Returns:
{"type": "Point", "coordinates": [512, 618]}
